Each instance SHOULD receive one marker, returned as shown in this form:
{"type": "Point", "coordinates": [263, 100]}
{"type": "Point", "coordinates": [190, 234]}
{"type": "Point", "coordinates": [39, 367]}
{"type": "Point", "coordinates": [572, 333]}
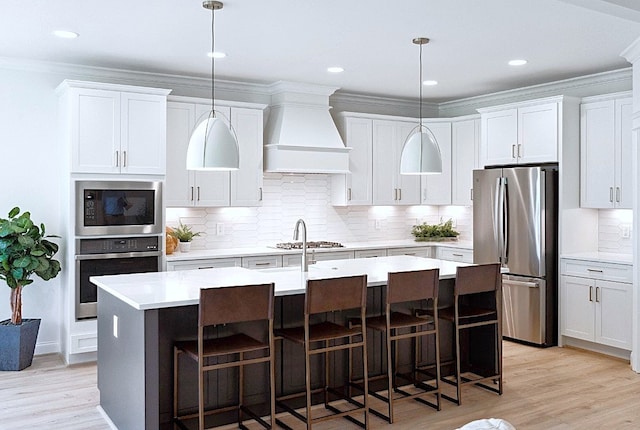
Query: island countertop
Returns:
{"type": "Point", "coordinates": [144, 291]}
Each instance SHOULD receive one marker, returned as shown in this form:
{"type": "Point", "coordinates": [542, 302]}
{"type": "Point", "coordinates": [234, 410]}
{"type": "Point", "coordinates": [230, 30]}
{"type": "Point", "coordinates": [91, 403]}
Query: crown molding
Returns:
{"type": "Point", "coordinates": [572, 86]}
{"type": "Point", "coordinates": [364, 100]}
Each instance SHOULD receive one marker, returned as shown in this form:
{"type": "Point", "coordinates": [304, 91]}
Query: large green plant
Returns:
{"type": "Point", "coordinates": [24, 251]}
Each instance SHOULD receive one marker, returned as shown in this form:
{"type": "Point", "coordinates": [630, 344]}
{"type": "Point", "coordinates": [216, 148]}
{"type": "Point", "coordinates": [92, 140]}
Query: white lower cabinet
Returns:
{"type": "Point", "coordinates": [596, 308]}
{"type": "Point", "coordinates": [312, 256]}
{"type": "Point", "coordinates": [209, 263]}
{"type": "Point", "coordinates": [423, 251]}
{"type": "Point", "coordinates": [370, 253]}
{"type": "Point", "coordinates": [454, 254]}
{"type": "Point", "coordinates": [262, 262]}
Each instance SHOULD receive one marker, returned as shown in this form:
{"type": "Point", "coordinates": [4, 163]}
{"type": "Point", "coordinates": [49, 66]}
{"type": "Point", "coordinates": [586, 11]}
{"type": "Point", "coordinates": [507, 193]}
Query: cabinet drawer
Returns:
{"type": "Point", "coordinates": [454, 254]}
{"type": "Point", "coordinates": [424, 251]}
{"type": "Point", "coordinates": [369, 253]}
{"type": "Point", "coordinates": [598, 270]}
{"type": "Point", "coordinates": [214, 263]}
{"type": "Point", "coordinates": [262, 262]}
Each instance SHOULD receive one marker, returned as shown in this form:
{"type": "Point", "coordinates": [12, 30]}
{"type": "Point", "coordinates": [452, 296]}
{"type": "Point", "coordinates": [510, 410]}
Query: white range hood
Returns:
{"type": "Point", "coordinates": [300, 136]}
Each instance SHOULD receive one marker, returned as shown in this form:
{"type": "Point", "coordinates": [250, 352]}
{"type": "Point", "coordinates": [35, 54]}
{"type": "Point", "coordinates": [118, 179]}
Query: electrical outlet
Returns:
{"type": "Point", "coordinates": [377, 224]}
{"type": "Point", "coordinates": [626, 231]}
{"type": "Point", "coordinates": [220, 229]}
{"type": "Point", "coordinates": [115, 326]}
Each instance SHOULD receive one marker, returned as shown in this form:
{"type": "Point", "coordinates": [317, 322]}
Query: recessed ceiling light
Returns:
{"type": "Point", "coordinates": [216, 54]}
{"type": "Point", "coordinates": [430, 82]}
{"type": "Point", "coordinates": [517, 62]}
{"type": "Point", "coordinates": [335, 69]}
{"type": "Point", "coordinates": [65, 34]}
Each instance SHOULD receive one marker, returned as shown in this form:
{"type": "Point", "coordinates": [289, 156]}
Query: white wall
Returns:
{"type": "Point", "coordinates": [289, 197]}
{"type": "Point", "coordinates": [30, 178]}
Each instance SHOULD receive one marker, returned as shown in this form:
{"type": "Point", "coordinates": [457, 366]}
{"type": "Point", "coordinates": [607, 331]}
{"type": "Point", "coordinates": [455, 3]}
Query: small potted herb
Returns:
{"type": "Point", "coordinates": [185, 235]}
{"type": "Point", "coordinates": [434, 233]}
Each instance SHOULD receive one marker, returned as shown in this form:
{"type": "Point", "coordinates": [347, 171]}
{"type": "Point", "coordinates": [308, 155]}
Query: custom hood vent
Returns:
{"type": "Point", "coordinates": [300, 136]}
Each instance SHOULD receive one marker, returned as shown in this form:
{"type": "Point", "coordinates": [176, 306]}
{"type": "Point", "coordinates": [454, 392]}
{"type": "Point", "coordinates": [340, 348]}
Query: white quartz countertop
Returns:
{"type": "Point", "coordinates": [348, 246]}
{"type": "Point", "coordinates": [603, 257]}
{"type": "Point", "coordinates": [144, 291]}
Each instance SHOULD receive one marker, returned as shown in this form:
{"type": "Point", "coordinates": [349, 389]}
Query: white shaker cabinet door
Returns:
{"type": "Point", "coordinates": [578, 307]}
{"type": "Point", "coordinates": [538, 133]}
{"type": "Point", "coordinates": [436, 188]}
{"type": "Point", "coordinates": [95, 131]}
{"type": "Point", "coordinates": [465, 139]}
{"type": "Point", "coordinates": [613, 315]}
{"type": "Point", "coordinates": [623, 153]}
{"type": "Point", "coordinates": [597, 160]}
{"type": "Point", "coordinates": [143, 140]}
{"type": "Point", "coordinates": [499, 138]}
{"type": "Point", "coordinates": [384, 155]}
{"type": "Point", "coordinates": [178, 183]}
{"type": "Point", "coordinates": [246, 183]}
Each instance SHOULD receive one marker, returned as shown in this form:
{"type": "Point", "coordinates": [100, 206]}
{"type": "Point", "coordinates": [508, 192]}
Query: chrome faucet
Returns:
{"type": "Point", "coordinates": [296, 230]}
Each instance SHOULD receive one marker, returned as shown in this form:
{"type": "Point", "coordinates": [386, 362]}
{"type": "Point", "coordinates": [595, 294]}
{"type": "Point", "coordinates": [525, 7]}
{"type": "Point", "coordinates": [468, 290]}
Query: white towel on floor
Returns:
{"type": "Point", "coordinates": [488, 424]}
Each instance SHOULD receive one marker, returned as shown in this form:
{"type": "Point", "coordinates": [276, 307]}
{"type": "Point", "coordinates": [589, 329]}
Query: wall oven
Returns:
{"type": "Point", "coordinates": [111, 256]}
{"type": "Point", "coordinates": [106, 208]}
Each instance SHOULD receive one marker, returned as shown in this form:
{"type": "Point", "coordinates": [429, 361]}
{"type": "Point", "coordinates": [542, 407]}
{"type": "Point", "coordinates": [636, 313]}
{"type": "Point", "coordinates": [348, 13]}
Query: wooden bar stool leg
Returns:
{"type": "Point", "coordinates": [176, 354]}
{"type": "Point", "coordinates": [240, 390]}
{"type": "Point", "coordinates": [438, 371]}
{"type": "Point", "coordinates": [390, 373]}
{"type": "Point", "coordinates": [200, 396]}
{"type": "Point", "coordinates": [458, 366]}
{"type": "Point", "coordinates": [307, 370]}
{"type": "Point", "coordinates": [327, 364]}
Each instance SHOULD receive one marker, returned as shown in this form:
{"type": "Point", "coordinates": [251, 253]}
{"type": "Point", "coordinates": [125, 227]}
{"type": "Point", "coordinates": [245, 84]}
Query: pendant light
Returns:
{"type": "Point", "coordinates": [420, 153]}
{"type": "Point", "coordinates": [212, 145]}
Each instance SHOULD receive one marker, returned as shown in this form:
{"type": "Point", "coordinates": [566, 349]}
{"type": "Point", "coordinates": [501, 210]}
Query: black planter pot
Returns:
{"type": "Point", "coordinates": [17, 343]}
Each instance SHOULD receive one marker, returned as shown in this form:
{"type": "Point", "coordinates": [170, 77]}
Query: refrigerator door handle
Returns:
{"type": "Point", "coordinates": [497, 217]}
{"type": "Point", "coordinates": [504, 228]}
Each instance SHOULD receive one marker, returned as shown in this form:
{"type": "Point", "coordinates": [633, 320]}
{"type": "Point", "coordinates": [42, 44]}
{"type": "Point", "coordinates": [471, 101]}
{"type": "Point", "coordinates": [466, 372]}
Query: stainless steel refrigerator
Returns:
{"type": "Point", "coordinates": [515, 220]}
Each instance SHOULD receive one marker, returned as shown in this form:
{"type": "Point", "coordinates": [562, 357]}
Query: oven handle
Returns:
{"type": "Point", "coordinates": [118, 255]}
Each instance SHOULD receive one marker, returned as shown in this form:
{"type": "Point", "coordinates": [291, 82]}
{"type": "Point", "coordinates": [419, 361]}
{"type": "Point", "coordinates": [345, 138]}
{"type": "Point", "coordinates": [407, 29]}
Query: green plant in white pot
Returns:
{"type": "Point", "coordinates": [185, 235]}
{"type": "Point", "coordinates": [24, 252]}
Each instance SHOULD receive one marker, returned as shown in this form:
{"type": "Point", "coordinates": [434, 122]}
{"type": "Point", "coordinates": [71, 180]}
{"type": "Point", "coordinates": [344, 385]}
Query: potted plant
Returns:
{"type": "Point", "coordinates": [185, 235]}
{"type": "Point", "coordinates": [24, 251]}
{"type": "Point", "coordinates": [434, 233]}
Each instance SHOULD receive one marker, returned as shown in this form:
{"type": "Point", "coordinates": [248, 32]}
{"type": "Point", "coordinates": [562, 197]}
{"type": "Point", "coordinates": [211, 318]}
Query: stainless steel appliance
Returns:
{"type": "Point", "coordinates": [515, 222]}
{"type": "Point", "coordinates": [118, 208]}
{"type": "Point", "coordinates": [111, 256]}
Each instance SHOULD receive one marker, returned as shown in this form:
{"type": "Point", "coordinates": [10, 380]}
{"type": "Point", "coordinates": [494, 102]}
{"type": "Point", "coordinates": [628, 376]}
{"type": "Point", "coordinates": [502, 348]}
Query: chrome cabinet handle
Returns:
{"type": "Point", "coordinates": [590, 293]}
{"type": "Point", "coordinates": [597, 299]}
{"type": "Point", "coordinates": [457, 255]}
{"type": "Point", "coordinates": [400, 192]}
{"type": "Point", "coordinates": [349, 194]}
{"type": "Point", "coordinates": [471, 194]}
{"type": "Point", "coordinates": [260, 190]}
{"type": "Point", "coordinates": [191, 193]}
{"type": "Point", "coordinates": [198, 193]}
{"type": "Point", "coordinates": [618, 194]}
{"type": "Point", "coordinates": [519, 152]}
{"type": "Point", "coordinates": [117, 158]}
{"type": "Point", "coordinates": [611, 194]}
{"type": "Point", "coordinates": [262, 264]}
{"type": "Point", "coordinates": [594, 270]}
{"type": "Point", "coordinates": [124, 158]}
{"type": "Point", "coordinates": [513, 151]}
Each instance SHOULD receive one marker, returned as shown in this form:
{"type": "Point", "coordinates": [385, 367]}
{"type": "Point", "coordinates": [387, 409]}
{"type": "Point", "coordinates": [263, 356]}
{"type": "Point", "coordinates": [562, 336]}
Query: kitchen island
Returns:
{"type": "Point", "coordinates": [141, 315]}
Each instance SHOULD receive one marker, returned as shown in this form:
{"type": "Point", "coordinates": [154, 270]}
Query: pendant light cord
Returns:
{"type": "Point", "coordinates": [420, 88]}
{"type": "Point", "coordinates": [213, 92]}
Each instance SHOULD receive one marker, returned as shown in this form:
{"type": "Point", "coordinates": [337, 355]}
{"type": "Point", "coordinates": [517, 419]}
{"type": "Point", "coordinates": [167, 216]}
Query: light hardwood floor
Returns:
{"type": "Point", "coordinates": [554, 388]}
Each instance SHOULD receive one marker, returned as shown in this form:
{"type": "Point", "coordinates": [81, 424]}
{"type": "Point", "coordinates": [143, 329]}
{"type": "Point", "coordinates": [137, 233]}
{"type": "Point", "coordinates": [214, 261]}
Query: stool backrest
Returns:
{"type": "Point", "coordinates": [334, 294]}
{"type": "Point", "coordinates": [412, 286]}
{"type": "Point", "coordinates": [477, 279]}
{"type": "Point", "coordinates": [235, 304]}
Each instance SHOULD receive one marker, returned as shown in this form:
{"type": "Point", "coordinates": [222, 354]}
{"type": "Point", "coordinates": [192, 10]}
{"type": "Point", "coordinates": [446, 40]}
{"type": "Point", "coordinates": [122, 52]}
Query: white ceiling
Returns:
{"type": "Point", "coordinates": [296, 40]}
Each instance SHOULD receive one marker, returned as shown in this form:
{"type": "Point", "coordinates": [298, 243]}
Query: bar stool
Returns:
{"type": "Point", "coordinates": [221, 306]}
{"type": "Point", "coordinates": [477, 302]}
{"type": "Point", "coordinates": [323, 297]}
{"type": "Point", "coordinates": [403, 288]}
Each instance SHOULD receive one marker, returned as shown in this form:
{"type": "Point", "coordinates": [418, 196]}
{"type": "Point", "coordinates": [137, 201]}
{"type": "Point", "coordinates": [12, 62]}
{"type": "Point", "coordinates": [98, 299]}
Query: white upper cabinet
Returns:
{"type": "Point", "coordinates": [606, 179]}
{"type": "Point", "coordinates": [389, 186]}
{"type": "Point", "coordinates": [355, 188]}
{"type": "Point", "coordinates": [520, 134]}
{"type": "Point", "coordinates": [465, 145]}
{"type": "Point", "coordinates": [436, 188]}
{"type": "Point", "coordinates": [114, 128]}
{"type": "Point", "coordinates": [209, 189]}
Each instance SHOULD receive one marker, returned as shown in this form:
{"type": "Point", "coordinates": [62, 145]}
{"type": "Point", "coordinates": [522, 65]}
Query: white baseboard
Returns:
{"type": "Point", "coordinates": [47, 348]}
{"type": "Point", "coordinates": [106, 418]}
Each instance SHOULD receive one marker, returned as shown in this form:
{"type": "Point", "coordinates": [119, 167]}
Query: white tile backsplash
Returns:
{"type": "Point", "coordinates": [289, 197]}
{"type": "Point", "coordinates": [612, 227]}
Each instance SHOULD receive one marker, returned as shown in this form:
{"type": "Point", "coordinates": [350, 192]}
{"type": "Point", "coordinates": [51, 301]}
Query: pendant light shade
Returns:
{"type": "Point", "coordinates": [420, 153]}
{"type": "Point", "coordinates": [212, 145]}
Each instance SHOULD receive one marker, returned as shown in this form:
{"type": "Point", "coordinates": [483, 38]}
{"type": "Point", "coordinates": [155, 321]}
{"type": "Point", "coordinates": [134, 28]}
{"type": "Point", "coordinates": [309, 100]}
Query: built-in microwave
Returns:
{"type": "Point", "coordinates": [105, 208]}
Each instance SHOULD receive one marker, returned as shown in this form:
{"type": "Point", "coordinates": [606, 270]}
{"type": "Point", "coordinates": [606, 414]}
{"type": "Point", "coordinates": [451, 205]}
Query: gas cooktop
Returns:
{"type": "Point", "coordinates": [319, 244]}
